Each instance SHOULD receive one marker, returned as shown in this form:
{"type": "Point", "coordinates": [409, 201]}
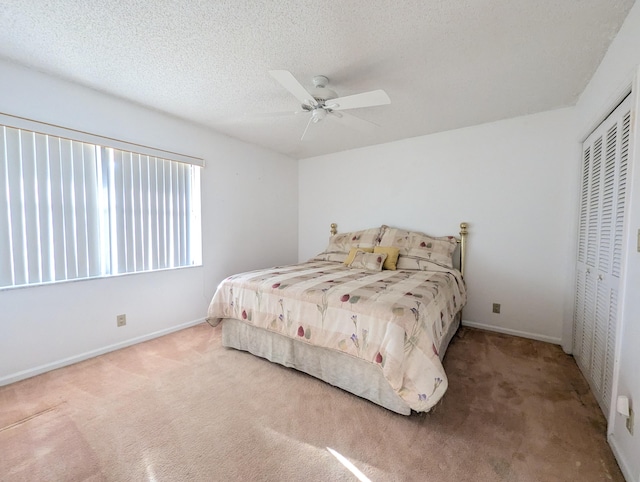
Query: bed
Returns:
{"type": "Point", "coordinates": [373, 314]}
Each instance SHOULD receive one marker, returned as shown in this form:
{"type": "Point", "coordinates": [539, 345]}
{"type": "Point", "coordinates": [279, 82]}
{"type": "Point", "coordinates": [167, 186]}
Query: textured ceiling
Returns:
{"type": "Point", "coordinates": [444, 63]}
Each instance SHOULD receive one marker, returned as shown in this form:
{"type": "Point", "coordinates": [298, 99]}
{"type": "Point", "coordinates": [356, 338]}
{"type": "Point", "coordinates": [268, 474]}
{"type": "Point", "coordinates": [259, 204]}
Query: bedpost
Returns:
{"type": "Point", "coordinates": [463, 243]}
{"type": "Point", "coordinates": [334, 229]}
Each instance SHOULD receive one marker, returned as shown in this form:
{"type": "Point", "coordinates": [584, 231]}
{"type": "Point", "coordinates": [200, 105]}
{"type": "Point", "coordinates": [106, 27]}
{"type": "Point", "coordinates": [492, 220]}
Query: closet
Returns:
{"type": "Point", "coordinates": [603, 197]}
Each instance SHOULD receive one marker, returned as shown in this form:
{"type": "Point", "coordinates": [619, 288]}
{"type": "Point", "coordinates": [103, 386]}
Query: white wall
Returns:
{"type": "Point", "coordinates": [249, 218]}
{"type": "Point", "coordinates": [514, 181]}
{"type": "Point", "coordinates": [615, 73]}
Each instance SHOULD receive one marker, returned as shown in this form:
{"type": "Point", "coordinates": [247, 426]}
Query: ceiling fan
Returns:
{"type": "Point", "coordinates": [322, 102]}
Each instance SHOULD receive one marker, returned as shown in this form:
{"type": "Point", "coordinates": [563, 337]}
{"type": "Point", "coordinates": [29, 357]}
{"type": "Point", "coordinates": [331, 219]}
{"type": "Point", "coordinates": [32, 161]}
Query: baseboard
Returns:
{"type": "Point", "coordinates": [508, 331]}
{"type": "Point", "coordinates": [16, 377]}
{"type": "Point", "coordinates": [622, 461]}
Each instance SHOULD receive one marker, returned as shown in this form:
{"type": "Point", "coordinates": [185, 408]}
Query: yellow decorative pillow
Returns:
{"type": "Point", "coordinates": [352, 254]}
{"type": "Point", "coordinates": [392, 256]}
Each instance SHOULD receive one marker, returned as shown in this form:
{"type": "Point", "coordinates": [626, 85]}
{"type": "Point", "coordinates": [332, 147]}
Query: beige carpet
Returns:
{"type": "Point", "coordinates": [183, 408]}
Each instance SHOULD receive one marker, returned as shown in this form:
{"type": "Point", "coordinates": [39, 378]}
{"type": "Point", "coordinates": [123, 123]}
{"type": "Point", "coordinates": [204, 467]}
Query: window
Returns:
{"type": "Point", "coordinates": [72, 210]}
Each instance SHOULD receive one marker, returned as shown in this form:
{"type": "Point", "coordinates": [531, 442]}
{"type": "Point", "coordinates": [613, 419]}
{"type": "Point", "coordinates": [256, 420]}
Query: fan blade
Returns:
{"type": "Point", "coordinates": [354, 121]}
{"type": "Point", "coordinates": [366, 99]}
{"type": "Point", "coordinates": [290, 83]}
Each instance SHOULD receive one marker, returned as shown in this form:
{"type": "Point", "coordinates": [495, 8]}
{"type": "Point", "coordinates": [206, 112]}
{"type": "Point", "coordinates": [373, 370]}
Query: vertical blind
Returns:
{"type": "Point", "coordinates": [72, 210]}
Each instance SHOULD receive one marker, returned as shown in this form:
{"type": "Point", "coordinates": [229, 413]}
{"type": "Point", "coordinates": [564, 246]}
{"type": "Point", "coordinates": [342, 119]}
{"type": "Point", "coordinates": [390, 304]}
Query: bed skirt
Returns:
{"type": "Point", "coordinates": [354, 375]}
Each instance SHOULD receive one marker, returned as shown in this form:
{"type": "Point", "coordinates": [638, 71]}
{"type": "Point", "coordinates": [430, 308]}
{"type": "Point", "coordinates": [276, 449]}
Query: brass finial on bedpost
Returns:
{"type": "Point", "coordinates": [463, 243]}
{"type": "Point", "coordinates": [334, 229]}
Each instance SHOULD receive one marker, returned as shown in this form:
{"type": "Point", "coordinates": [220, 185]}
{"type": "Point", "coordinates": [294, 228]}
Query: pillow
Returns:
{"type": "Point", "coordinates": [419, 264]}
{"type": "Point", "coordinates": [340, 244]}
{"type": "Point", "coordinates": [392, 256]}
{"type": "Point", "coordinates": [352, 254]}
{"type": "Point", "coordinates": [415, 248]}
{"type": "Point", "coordinates": [368, 261]}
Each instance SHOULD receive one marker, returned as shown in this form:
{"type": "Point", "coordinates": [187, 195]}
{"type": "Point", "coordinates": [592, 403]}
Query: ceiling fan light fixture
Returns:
{"type": "Point", "coordinates": [318, 115]}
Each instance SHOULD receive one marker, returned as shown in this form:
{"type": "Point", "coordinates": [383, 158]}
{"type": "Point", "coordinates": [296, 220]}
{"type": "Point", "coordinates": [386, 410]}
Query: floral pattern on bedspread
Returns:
{"type": "Point", "coordinates": [394, 319]}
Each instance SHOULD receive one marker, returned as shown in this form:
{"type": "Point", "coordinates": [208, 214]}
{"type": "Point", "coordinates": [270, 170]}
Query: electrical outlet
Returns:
{"type": "Point", "coordinates": [121, 320]}
{"type": "Point", "coordinates": [496, 307]}
{"type": "Point", "coordinates": [630, 421]}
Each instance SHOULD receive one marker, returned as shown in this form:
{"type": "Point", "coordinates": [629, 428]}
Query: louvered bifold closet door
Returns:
{"type": "Point", "coordinates": [599, 256]}
{"type": "Point", "coordinates": [581, 270]}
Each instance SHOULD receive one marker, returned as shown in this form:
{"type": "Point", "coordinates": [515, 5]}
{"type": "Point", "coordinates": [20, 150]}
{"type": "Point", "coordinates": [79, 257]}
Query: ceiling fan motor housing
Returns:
{"type": "Point", "coordinates": [320, 92]}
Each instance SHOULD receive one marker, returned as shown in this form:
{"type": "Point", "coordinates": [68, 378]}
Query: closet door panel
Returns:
{"type": "Point", "coordinates": [607, 384]}
{"type": "Point", "coordinates": [588, 324]}
{"type": "Point", "coordinates": [593, 225]}
{"type": "Point", "coordinates": [578, 315]}
{"type": "Point", "coordinates": [581, 268]}
{"type": "Point", "coordinates": [600, 331]}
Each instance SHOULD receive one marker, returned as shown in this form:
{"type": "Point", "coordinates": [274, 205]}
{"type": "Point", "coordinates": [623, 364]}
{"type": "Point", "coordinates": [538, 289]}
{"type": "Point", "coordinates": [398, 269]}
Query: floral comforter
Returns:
{"type": "Point", "coordinates": [394, 319]}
